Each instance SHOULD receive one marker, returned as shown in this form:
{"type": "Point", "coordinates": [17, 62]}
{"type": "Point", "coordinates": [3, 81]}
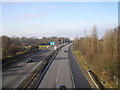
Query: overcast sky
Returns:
{"type": "Point", "coordinates": [67, 19]}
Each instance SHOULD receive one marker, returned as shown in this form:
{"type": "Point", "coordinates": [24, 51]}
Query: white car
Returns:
{"type": "Point", "coordinates": [29, 60]}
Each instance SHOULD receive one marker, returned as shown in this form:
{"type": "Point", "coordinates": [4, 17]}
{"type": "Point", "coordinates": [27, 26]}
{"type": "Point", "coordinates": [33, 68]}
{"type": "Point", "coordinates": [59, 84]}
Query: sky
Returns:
{"type": "Point", "coordinates": [67, 19]}
{"type": "Point", "coordinates": [59, 0]}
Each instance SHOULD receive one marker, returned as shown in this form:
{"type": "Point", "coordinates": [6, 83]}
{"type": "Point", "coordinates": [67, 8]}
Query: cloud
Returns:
{"type": "Point", "coordinates": [28, 16]}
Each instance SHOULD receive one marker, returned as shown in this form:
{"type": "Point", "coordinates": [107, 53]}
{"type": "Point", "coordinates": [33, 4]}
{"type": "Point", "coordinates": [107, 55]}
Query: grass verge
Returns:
{"type": "Point", "coordinates": [85, 67]}
{"type": "Point", "coordinates": [103, 81]}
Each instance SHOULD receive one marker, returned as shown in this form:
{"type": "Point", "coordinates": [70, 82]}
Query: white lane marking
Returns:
{"type": "Point", "coordinates": [21, 81]}
{"type": "Point", "coordinates": [12, 69]}
{"type": "Point", "coordinates": [8, 71]}
{"type": "Point", "coordinates": [58, 70]}
{"type": "Point", "coordinates": [26, 76]}
{"type": "Point", "coordinates": [37, 65]}
{"type": "Point", "coordinates": [56, 80]}
{"type": "Point", "coordinates": [1, 74]}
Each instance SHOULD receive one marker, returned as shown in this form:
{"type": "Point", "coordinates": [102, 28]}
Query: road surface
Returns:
{"type": "Point", "coordinates": [80, 80]}
{"type": "Point", "coordinates": [64, 70]}
{"type": "Point", "coordinates": [59, 72]}
{"type": "Point", "coordinates": [14, 74]}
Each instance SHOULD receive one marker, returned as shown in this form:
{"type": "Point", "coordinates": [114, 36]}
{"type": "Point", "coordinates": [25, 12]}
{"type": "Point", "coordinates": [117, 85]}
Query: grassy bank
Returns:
{"type": "Point", "coordinates": [103, 80]}
{"type": "Point", "coordinates": [17, 56]}
{"type": "Point", "coordinates": [21, 54]}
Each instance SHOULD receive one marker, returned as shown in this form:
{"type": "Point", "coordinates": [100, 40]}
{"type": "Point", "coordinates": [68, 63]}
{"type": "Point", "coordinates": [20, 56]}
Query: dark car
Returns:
{"type": "Point", "coordinates": [62, 87]}
{"type": "Point", "coordinates": [65, 50]}
{"type": "Point", "coordinates": [28, 60]}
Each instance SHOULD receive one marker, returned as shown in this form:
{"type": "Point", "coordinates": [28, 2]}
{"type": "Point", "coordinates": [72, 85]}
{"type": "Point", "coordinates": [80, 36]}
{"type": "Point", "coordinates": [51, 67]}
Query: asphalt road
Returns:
{"type": "Point", "coordinates": [80, 80]}
{"type": "Point", "coordinates": [64, 70]}
{"type": "Point", "coordinates": [14, 74]}
{"type": "Point", "coordinates": [59, 72]}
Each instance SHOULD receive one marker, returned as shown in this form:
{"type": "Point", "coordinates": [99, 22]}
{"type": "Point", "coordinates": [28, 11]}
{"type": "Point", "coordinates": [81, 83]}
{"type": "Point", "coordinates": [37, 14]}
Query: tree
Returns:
{"type": "Point", "coordinates": [76, 41]}
{"type": "Point", "coordinates": [94, 40]}
{"type": "Point", "coordinates": [5, 46]}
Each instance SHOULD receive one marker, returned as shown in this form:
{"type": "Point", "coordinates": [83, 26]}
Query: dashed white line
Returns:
{"type": "Point", "coordinates": [9, 71]}
{"type": "Point", "coordinates": [56, 80]}
{"type": "Point", "coordinates": [26, 76]}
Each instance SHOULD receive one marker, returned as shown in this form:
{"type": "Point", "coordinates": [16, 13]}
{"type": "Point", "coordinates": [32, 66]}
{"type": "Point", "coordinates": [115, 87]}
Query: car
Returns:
{"type": "Point", "coordinates": [28, 60]}
{"type": "Point", "coordinates": [65, 50]}
{"type": "Point", "coordinates": [62, 87]}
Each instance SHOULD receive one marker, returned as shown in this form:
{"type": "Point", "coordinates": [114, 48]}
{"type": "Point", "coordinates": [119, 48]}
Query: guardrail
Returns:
{"type": "Point", "coordinates": [95, 80]}
{"type": "Point", "coordinates": [34, 78]}
{"type": "Point", "coordinates": [44, 72]}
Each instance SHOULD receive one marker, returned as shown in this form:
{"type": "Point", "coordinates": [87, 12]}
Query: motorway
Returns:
{"type": "Point", "coordinates": [59, 72]}
{"type": "Point", "coordinates": [64, 70]}
{"type": "Point", "coordinates": [13, 74]}
{"type": "Point", "coordinates": [80, 80]}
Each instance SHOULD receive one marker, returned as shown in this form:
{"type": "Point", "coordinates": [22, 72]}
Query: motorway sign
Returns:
{"type": "Point", "coordinates": [52, 43]}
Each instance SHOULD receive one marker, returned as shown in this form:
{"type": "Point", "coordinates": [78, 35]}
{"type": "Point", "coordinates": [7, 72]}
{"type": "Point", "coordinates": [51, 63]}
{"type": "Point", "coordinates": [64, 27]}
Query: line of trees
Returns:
{"type": "Point", "coordinates": [101, 54]}
{"type": "Point", "coordinates": [12, 45]}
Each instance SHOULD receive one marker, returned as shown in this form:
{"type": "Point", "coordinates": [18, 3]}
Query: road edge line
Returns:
{"type": "Point", "coordinates": [48, 66]}
{"type": "Point", "coordinates": [71, 74]}
{"type": "Point", "coordinates": [44, 72]}
{"type": "Point", "coordinates": [26, 76]}
{"type": "Point", "coordinates": [81, 68]}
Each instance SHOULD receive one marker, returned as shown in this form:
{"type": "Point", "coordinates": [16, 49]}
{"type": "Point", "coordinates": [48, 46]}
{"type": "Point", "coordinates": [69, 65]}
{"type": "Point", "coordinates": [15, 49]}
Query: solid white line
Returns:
{"type": "Point", "coordinates": [21, 81]}
{"type": "Point", "coordinates": [26, 76]}
{"type": "Point", "coordinates": [12, 69]}
{"type": "Point", "coordinates": [70, 69]}
{"type": "Point", "coordinates": [79, 65]}
{"type": "Point", "coordinates": [37, 65]}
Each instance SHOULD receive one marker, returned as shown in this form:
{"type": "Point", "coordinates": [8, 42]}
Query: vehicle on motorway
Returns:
{"type": "Point", "coordinates": [28, 60]}
{"type": "Point", "coordinates": [65, 51]}
{"type": "Point", "coordinates": [62, 87]}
